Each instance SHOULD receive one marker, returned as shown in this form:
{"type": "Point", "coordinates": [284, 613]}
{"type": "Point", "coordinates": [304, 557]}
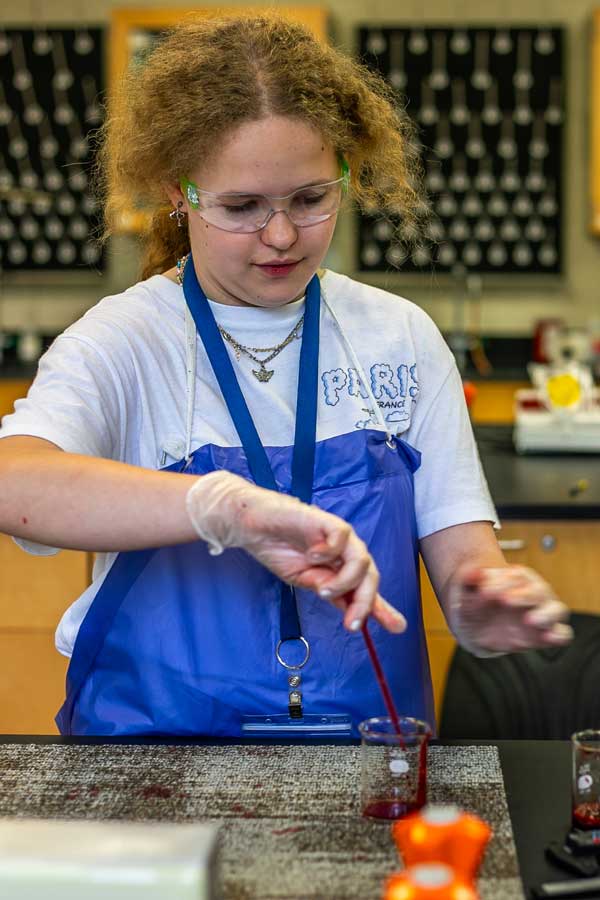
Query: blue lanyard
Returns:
{"type": "Point", "coordinates": [303, 457]}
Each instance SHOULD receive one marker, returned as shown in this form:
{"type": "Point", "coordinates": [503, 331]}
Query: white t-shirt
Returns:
{"type": "Point", "coordinates": [113, 385]}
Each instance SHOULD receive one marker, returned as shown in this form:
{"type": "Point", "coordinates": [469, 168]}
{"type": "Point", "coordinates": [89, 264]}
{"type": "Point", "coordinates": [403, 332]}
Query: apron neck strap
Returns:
{"type": "Point", "coordinates": [303, 456]}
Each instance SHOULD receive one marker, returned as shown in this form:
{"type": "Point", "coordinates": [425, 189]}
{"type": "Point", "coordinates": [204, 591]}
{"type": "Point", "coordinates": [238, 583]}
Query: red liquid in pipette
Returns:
{"type": "Point", "coordinates": [394, 809]}
{"type": "Point", "coordinates": [382, 682]}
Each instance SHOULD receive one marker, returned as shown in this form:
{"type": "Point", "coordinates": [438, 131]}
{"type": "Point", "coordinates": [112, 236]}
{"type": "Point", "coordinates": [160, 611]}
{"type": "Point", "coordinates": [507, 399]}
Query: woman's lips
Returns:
{"type": "Point", "coordinates": [277, 270]}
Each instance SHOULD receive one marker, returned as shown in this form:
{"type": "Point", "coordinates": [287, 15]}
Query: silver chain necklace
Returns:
{"type": "Point", "coordinates": [261, 374]}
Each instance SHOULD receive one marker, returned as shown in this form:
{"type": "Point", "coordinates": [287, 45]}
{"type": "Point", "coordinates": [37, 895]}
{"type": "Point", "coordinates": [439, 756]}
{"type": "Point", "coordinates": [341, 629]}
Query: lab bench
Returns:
{"type": "Point", "coordinates": [289, 812]}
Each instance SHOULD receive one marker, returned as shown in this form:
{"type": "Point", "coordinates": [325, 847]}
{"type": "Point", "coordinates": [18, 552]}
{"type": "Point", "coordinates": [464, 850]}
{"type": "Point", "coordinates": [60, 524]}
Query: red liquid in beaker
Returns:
{"type": "Point", "coordinates": [587, 815]}
{"type": "Point", "coordinates": [390, 809]}
{"type": "Point", "coordinates": [396, 809]}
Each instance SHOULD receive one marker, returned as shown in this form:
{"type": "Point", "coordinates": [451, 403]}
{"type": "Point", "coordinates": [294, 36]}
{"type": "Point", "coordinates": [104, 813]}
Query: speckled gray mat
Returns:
{"type": "Point", "coordinates": [289, 815]}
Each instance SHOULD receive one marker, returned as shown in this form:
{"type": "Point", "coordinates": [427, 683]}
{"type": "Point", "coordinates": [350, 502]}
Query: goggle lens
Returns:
{"type": "Point", "coordinates": [251, 212]}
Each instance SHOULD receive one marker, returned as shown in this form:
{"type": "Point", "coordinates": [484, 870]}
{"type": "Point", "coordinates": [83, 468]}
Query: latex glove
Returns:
{"type": "Point", "coordinates": [298, 542]}
{"type": "Point", "coordinates": [494, 611]}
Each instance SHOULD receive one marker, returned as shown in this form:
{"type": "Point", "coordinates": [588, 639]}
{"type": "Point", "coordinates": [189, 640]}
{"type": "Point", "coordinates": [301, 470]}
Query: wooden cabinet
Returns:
{"type": "Point", "coordinates": [34, 593]}
{"type": "Point", "coordinates": [494, 401]}
{"type": "Point", "coordinates": [565, 552]}
{"type": "Point", "coordinates": [11, 390]}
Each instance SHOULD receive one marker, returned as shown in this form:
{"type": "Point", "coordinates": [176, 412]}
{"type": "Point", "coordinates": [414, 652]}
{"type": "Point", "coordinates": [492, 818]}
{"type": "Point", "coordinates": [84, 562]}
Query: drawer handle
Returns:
{"type": "Point", "coordinates": [515, 544]}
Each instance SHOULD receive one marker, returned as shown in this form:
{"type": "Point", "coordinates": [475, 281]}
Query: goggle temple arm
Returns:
{"type": "Point", "coordinates": [345, 173]}
{"type": "Point", "coordinates": [190, 192]}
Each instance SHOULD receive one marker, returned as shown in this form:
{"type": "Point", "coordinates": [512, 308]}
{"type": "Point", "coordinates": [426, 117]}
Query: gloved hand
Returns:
{"type": "Point", "coordinates": [494, 611]}
{"type": "Point", "coordinates": [300, 543]}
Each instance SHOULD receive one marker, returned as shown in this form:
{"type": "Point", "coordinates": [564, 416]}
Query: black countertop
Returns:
{"type": "Point", "coordinates": [17, 371]}
{"type": "Point", "coordinates": [537, 485]}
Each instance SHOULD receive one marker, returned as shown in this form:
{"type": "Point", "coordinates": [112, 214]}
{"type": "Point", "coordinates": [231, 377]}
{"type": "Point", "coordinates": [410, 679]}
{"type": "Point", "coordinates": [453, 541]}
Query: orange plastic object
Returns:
{"type": "Point", "coordinates": [431, 881]}
{"type": "Point", "coordinates": [443, 834]}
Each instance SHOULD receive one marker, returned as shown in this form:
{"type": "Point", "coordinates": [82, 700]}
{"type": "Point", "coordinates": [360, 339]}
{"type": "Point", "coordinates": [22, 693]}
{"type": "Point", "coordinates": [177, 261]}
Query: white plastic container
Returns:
{"type": "Point", "coordinates": [43, 859]}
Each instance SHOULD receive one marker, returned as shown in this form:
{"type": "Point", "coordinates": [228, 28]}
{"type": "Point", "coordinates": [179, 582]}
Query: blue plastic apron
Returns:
{"type": "Point", "coordinates": [178, 642]}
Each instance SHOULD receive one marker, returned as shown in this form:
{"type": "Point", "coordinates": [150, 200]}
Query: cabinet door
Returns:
{"type": "Point", "coordinates": [11, 390]}
{"type": "Point", "coordinates": [36, 590]}
{"type": "Point", "coordinates": [440, 642]}
{"type": "Point", "coordinates": [32, 681]}
{"type": "Point", "coordinates": [34, 593]}
{"type": "Point", "coordinates": [565, 552]}
{"type": "Point", "coordinates": [494, 402]}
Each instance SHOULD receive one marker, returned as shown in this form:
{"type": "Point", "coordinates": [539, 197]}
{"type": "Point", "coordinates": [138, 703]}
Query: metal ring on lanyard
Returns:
{"type": "Point", "coordinates": [287, 665]}
{"type": "Point", "coordinates": [391, 442]}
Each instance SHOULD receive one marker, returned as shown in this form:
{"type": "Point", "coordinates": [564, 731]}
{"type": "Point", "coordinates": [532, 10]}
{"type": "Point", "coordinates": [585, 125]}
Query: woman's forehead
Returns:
{"type": "Point", "coordinates": [273, 155]}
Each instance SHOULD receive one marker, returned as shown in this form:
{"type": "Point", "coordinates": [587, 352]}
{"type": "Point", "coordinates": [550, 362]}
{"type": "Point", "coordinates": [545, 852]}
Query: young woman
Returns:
{"type": "Point", "coordinates": [242, 436]}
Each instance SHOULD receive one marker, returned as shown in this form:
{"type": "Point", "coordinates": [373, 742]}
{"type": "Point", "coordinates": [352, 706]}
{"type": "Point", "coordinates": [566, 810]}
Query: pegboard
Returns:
{"type": "Point", "coordinates": [50, 86]}
{"type": "Point", "coordinates": [489, 107]}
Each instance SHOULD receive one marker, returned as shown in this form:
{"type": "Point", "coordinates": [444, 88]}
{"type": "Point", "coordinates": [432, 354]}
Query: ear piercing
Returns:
{"type": "Point", "coordinates": [178, 214]}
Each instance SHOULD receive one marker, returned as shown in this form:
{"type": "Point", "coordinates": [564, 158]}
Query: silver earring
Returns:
{"type": "Point", "coordinates": [178, 215]}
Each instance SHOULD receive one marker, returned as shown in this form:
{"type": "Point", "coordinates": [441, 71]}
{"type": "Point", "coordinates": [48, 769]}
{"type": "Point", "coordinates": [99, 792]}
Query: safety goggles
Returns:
{"type": "Point", "coordinates": [245, 213]}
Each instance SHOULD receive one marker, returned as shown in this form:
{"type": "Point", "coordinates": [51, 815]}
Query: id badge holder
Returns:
{"type": "Point", "coordinates": [309, 725]}
{"type": "Point", "coordinates": [296, 723]}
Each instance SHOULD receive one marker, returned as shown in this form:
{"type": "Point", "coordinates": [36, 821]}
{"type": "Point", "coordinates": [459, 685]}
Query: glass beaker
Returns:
{"type": "Point", "coordinates": [586, 778]}
{"type": "Point", "coordinates": [393, 766]}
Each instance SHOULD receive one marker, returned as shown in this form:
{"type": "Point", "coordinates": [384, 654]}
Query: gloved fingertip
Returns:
{"type": "Point", "coordinates": [399, 625]}
{"type": "Point", "coordinates": [540, 618]}
{"type": "Point", "coordinates": [562, 633]}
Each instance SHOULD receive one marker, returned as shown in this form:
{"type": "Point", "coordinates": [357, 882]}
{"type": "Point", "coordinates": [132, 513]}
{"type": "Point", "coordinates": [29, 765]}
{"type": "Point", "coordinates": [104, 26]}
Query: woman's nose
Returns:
{"type": "Point", "coordinates": [279, 231]}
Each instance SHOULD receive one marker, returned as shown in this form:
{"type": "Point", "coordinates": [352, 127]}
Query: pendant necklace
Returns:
{"type": "Point", "coordinates": [261, 374]}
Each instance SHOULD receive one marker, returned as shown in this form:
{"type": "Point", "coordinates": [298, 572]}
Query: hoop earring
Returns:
{"type": "Point", "coordinates": [178, 215]}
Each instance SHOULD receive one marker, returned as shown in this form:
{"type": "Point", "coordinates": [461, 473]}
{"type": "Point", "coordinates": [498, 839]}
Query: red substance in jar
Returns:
{"type": "Point", "coordinates": [531, 404]}
{"type": "Point", "coordinates": [587, 815]}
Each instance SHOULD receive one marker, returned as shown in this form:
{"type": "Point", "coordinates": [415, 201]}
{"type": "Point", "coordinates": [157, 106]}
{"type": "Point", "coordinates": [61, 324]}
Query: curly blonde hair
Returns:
{"type": "Point", "coordinates": [207, 77]}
